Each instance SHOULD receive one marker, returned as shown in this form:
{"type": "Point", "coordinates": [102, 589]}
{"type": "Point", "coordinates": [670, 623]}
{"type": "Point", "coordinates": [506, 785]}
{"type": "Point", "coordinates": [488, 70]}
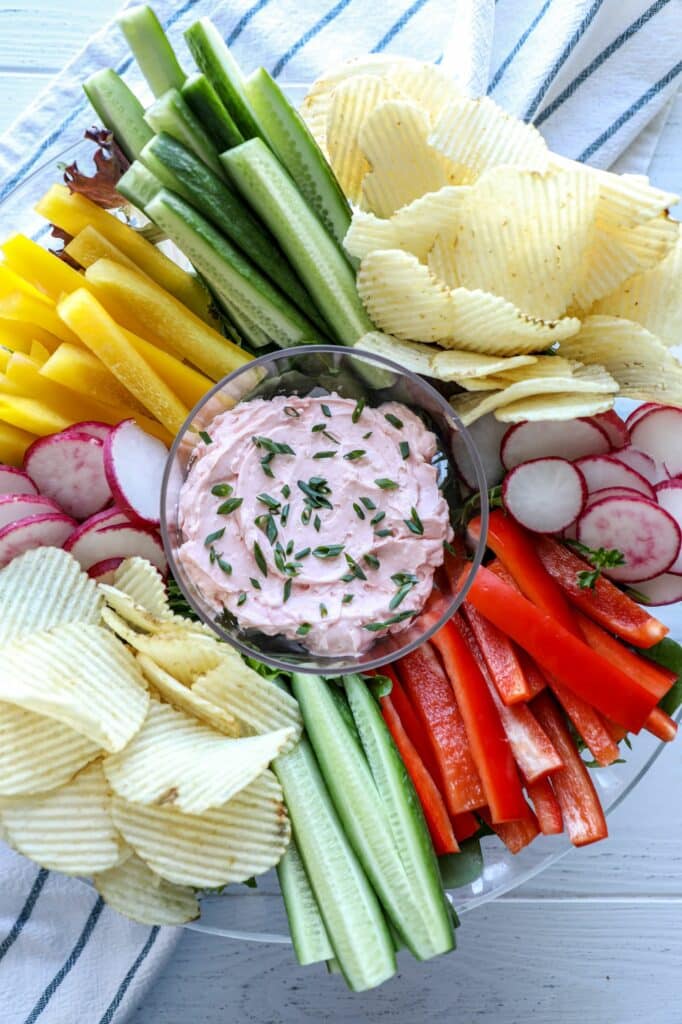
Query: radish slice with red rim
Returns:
{"type": "Point", "coordinates": [614, 428]}
{"type": "Point", "coordinates": [659, 433]}
{"type": "Point", "coordinates": [14, 507]}
{"type": "Point", "coordinates": [123, 541]}
{"type": "Point", "coordinates": [646, 534]}
{"type": "Point", "coordinates": [134, 463]}
{"type": "Point", "coordinates": [605, 471]}
{"type": "Point", "coordinates": [15, 481]}
{"type": "Point", "coordinates": [640, 411]}
{"type": "Point", "coordinates": [93, 428]}
{"type": "Point", "coordinates": [669, 497]}
{"type": "Point", "coordinates": [665, 589]}
{"type": "Point", "coordinates": [545, 495]}
{"type": "Point", "coordinates": [614, 492]}
{"type": "Point", "coordinates": [639, 461]}
{"type": "Point", "coordinates": [69, 468]}
{"type": "Point", "coordinates": [105, 571]}
{"type": "Point", "coordinates": [41, 531]}
{"type": "Point", "coordinates": [564, 439]}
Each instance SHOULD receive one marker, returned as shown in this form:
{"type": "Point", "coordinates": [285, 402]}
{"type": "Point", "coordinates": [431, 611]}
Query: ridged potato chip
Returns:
{"type": "Point", "coordinates": [652, 298]}
{"type": "Point", "coordinates": [411, 355]}
{"type": "Point", "coordinates": [180, 651]}
{"type": "Point", "coordinates": [181, 696]}
{"type": "Point", "coordinates": [43, 588]}
{"type": "Point", "coordinates": [403, 298]}
{"type": "Point", "coordinates": [80, 675]}
{"type": "Point", "coordinates": [69, 829]}
{"type": "Point", "coordinates": [554, 407]}
{"type": "Point", "coordinates": [413, 227]}
{"type": "Point", "coordinates": [625, 200]}
{"type": "Point", "coordinates": [351, 104]}
{"type": "Point", "coordinates": [477, 134]}
{"type": "Point", "coordinates": [586, 379]}
{"type": "Point", "coordinates": [174, 761]}
{"type": "Point", "coordinates": [38, 753]}
{"type": "Point", "coordinates": [244, 837]}
{"type": "Point", "coordinates": [146, 621]}
{"type": "Point", "coordinates": [135, 891]}
{"type": "Point", "coordinates": [641, 364]}
{"type": "Point", "coordinates": [425, 84]}
{"type": "Point", "coordinates": [404, 165]}
{"type": "Point", "coordinates": [142, 582]}
{"type": "Point", "coordinates": [258, 704]}
{"type": "Point", "coordinates": [544, 366]}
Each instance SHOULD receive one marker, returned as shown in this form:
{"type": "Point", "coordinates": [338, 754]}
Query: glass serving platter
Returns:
{"type": "Point", "coordinates": [258, 914]}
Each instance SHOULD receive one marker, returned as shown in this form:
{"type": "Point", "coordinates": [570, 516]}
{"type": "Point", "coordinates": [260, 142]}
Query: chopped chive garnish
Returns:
{"type": "Point", "coordinates": [348, 577]}
{"type": "Point", "coordinates": [318, 427]}
{"type": "Point", "coordinates": [317, 523]}
{"type": "Point", "coordinates": [372, 561]}
{"type": "Point", "coordinates": [274, 447]}
{"type": "Point", "coordinates": [394, 421]}
{"type": "Point", "coordinates": [267, 499]}
{"type": "Point", "coordinates": [326, 411]}
{"type": "Point", "coordinates": [260, 559]}
{"type": "Point", "coordinates": [279, 558]}
{"type": "Point", "coordinates": [414, 523]}
{"type": "Point", "coordinates": [404, 449]}
{"type": "Point", "coordinates": [229, 506]}
{"type": "Point", "coordinates": [222, 564]}
{"type": "Point", "coordinates": [358, 510]}
{"type": "Point", "coordinates": [374, 627]}
{"type": "Point", "coordinates": [355, 568]}
{"type": "Point", "coordinates": [254, 583]}
{"type": "Point", "coordinates": [221, 490]}
{"type": "Point", "coordinates": [303, 553]}
{"type": "Point", "coordinates": [449, 548]}
{"type": "Point", "coordinates": [404, 581]}
{"type": "Point", "coordinates": [383, 533]}
{"type": "Point", "coordinates": [290, 411]}
{"type": "Point", "coordinates": [347, 598]}
{"type": "Point", "coordinates": [286, 590]}
{"type": "Point", "coordinates": [303, 629]}
{"type": "Point", "coordinates": [241, 599]}
{"type": "Point", "coordinates": [357, 453]}
{"type": "Point", "coordinates": [377, 518]}
{"type": "Point", "coordinates": [385, 484]}
{"type": "Point", "coordinates": [216, 535]}
{"type": "Point", "coordinates": [368, 503]}
{"type": "Point", "coordinates": [286, 491]}
{"type": "Point", "coordinates": [284, 517]}
{"type": "Point", "coordinates": [324, 455]}
{"type": "Point", "coordinates": [366, 436]}
{"type": "Point", "coordinates": [323, 611]}
{"type": "Point", "coordinates": [305, 516]}
{"type": "Point", "coordinates": [290, 548]}
{"type": "Point", "coordinates": [330, 437]}
{"type": "Point", "coordinates": [357, 411]}
{"type": "Point", "coordinates": [271, 529]}
{"type": "Point", "coordinates": [265, 465]}
{"type": "Point", "coordinates": [328, 550]}
{"type": "Point", "coordinates": [206, 438]}
{"type": "Point", "coordinates": [315, 491]}
{"type": "Point", "coordinates": [212, 555]}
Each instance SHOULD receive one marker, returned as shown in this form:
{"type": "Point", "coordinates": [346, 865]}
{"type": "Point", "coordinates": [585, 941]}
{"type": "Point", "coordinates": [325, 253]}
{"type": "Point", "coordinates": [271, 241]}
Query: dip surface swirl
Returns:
{"type": "Point", "coordinates": [317, 518]}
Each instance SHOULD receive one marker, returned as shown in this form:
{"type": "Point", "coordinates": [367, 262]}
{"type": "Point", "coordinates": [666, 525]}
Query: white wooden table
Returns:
{"type": "Point", "coordinates": [597, 938]}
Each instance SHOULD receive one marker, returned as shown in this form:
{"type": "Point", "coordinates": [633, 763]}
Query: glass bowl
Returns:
{"type": "Point", "coordinates": [257, 915]}
{"type": "Point", "coordinates": [319, 371]}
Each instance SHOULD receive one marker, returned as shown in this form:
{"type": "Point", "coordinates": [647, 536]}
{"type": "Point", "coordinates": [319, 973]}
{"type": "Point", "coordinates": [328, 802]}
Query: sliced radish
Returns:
{"type": "Point", "coordinates": [70, 469]}
{"type": "Point", "coordinates": [659, 433]}
{"type": "Point", "coordinates": [565, 439]}
{"type": "Point", "coordinates": [614, 492]}
{"type": "Point", "coordinates": [637, 413]}
{"type": "Point", "coordinates": [93, 428]}
{"type": "Point", "coordinates": [604, 471]}
{"type": "Point", "coordinates": [14, 507]}
{"type": "Point", "coordinates": [669, 497]}
{"type": "Point", "coordinates": [104, 572]}
{"type": "Point", "coordinates": [614, 428]}
{"type": "Point", "coordinates": [545, 495]}
{"type": "Point", "coordinates": [647, 535]}
{"type": "Point", "coordinates": [639, 461]}
{"type": "Point", "coordinates": [15, 481]}
{"type": "Point", "coordinates": [134, 464]}
{"type": "Point", "coordinates": [50, 530]}
{"type": "Point", "coordinates": [107, 517]}
{"type": "Point", "coordinates": [665, 589]}
{"type": "Point", "coordinates": [123, 541]}
{"type": "Point", "coordinates": [487, 434]}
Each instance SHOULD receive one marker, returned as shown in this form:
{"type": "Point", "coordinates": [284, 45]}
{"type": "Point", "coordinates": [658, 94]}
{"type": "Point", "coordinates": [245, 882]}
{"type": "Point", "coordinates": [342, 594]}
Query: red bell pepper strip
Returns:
{"type": "Point", "coordinates": [465, 826]}
{"type": "Point", "coordinates": [434, 701]}
{"type": "Point", "coordinates": [565, 657]}
{"type": "Point", "coordinates": [435, 811]}
{"type": "Point", "coordinates": [489, 745]}
{"type": "Point", "coordinates": [653, 677]}
{"type": "Point", "coordinates": [580, 807]}
{"type": "Point", "coordinates": [604, 603]}
{"type": "Point", "coordinates": [661, 725]}
{"type": "Point", "coordinates": [514, 834]}
{"type": "Point", "coordinates": [546, 807]}
{"type": "Point", "coordinates": [500, 658]}
{"type": "Point", "coordinates": [535, 678]}
{"type": "Point", "coordinates": [416, 732]}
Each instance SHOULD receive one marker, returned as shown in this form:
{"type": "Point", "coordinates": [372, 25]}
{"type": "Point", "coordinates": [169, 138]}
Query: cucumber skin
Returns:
{"type": "Point", "coordinates": [208, 107]}
{"type": "Point", "coordinates": [119, 110]}
{"type": "Point", "coordinates": [151, 49]}
{"type": "Point", "coordinates": [202, 243]}
{"type": "Point", "coordinates": [138, 185]}
{"type": "Point", "coordinates": [171, 114]}
{"type": "Point", "coordinates": [308, 932]}
{"type": "Point", "coordinates": [316, 827]}
{"type": "Point", "coordinates": [214, 60]}
{"type": "Point", "coordinates": [385, 761]}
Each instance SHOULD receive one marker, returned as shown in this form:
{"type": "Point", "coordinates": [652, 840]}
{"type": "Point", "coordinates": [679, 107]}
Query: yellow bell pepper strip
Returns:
{"type": "Point", "coordinates": [11, 281]}
{"type": "Point", "coordinates": [188, 384]}
{"type": "Point", "coordinates": [46, 273]}
{"type": "Point", "coordinates": [27, 310]}
{"type": "Point", "coordinates": [90, 245]}
{"type": "Point", "coordinates": [79, 369]}
{"type": "Point", "coordinates": [39, 354]}
{"type": "Point", "coordinates": [13, 444]}
{"type": "Point", "coordinates": [18, 337]}
{"type": "Point", "coordinates": [28, 414]}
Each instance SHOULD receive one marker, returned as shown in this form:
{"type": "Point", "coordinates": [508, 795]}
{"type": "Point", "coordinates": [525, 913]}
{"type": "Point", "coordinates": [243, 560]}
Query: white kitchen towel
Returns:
{"type": "Point", "coordinates": [596, 76]}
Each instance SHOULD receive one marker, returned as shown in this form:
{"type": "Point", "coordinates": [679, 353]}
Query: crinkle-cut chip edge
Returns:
{"type": "Point", "coordinates": [566, 406]}
{"type": "Point", "coordinates": [134, 890]}
{"type": "Point", "coordinates": [181, 696]}
{"type": "Point", "coordinates": [38, 753]}
{"type": "Point", "coordinates": [142, 582]}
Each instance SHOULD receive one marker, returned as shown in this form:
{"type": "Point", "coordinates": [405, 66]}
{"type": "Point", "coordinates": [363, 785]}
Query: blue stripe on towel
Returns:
{"type": "Point", "coordinates": [495, 80]}
{"type": "Point", "coordinates": [307, 36]}
{"type": "Point", "coordinates": [399, 25]}
{"type": "Point", "coordinates": [245, 19]}
{"type": "Point", "coordinates": [25, 913]}
{"type": "Point", "coordinates": [123, 987]}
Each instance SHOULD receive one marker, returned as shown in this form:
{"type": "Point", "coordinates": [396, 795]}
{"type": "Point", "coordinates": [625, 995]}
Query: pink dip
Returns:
{"type": "Point", "coordinates": [339, 548]}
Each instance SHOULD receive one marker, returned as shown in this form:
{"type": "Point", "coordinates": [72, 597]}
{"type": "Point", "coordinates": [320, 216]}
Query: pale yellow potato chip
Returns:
{"type": "Point", "coordinates": [135, 891]}
{"type": "Point", "coordinates": [411, 355]}
{"type": "Point", "coordinates": [182, 652]}
{"type": "Point", "coordinates": [181, 696]}
{"type": "Point", "coordinates": [641, 364]}
{"type": "Point", "coordinates": [142, 582]}
{"type": "Point", "coordinates": [404, 299]}
{"type": "Point", "coordinates": [567, 406]}
{"type": "Point", "coordinates": [43, 588]}
{"type": "Point", "coordinates": [413, 227]}
{"type": "Point", "coordinates": [404, 165]}
{"type": "Point", "coordinates": [425, 84]}
{"type": "Point", "coordinates": [174, 761]}
{"type": "Point", "coordinates": [625, 200]}
{"type": "Point", "coordinates": [78, 674]}
{"type": "Point", "coordinates": [587, 379]}
{"type": "Point", "coordinates": [520, 235]}
{"type": "Point", "coordinates": [544, 366]}
{"type": "Point", "coordinates": [38, 753]}
{"type": "Point", "coordinates": [258, 704]}
{"type": "Point", "coordinates": [652, 298]}
{"type": "Point", "coordinates": [460, 366]}
{"type": "Point", "coordinates": [69, 829]}
{"type": "Point", "coordinates": [481, 383]}
{"type": "Point", "coordinates": [477, 134]}
{"type": "Point", "coordinates": [351, 104]}
{"type": "Point", "coordinates": [141, 619]}
{"type": "Point", "coordinates": [244, 837]}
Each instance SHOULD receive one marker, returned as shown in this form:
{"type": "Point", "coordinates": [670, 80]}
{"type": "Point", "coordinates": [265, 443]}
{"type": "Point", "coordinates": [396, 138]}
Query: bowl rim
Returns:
{"type": "Point", "coordinates": [336, 666]}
